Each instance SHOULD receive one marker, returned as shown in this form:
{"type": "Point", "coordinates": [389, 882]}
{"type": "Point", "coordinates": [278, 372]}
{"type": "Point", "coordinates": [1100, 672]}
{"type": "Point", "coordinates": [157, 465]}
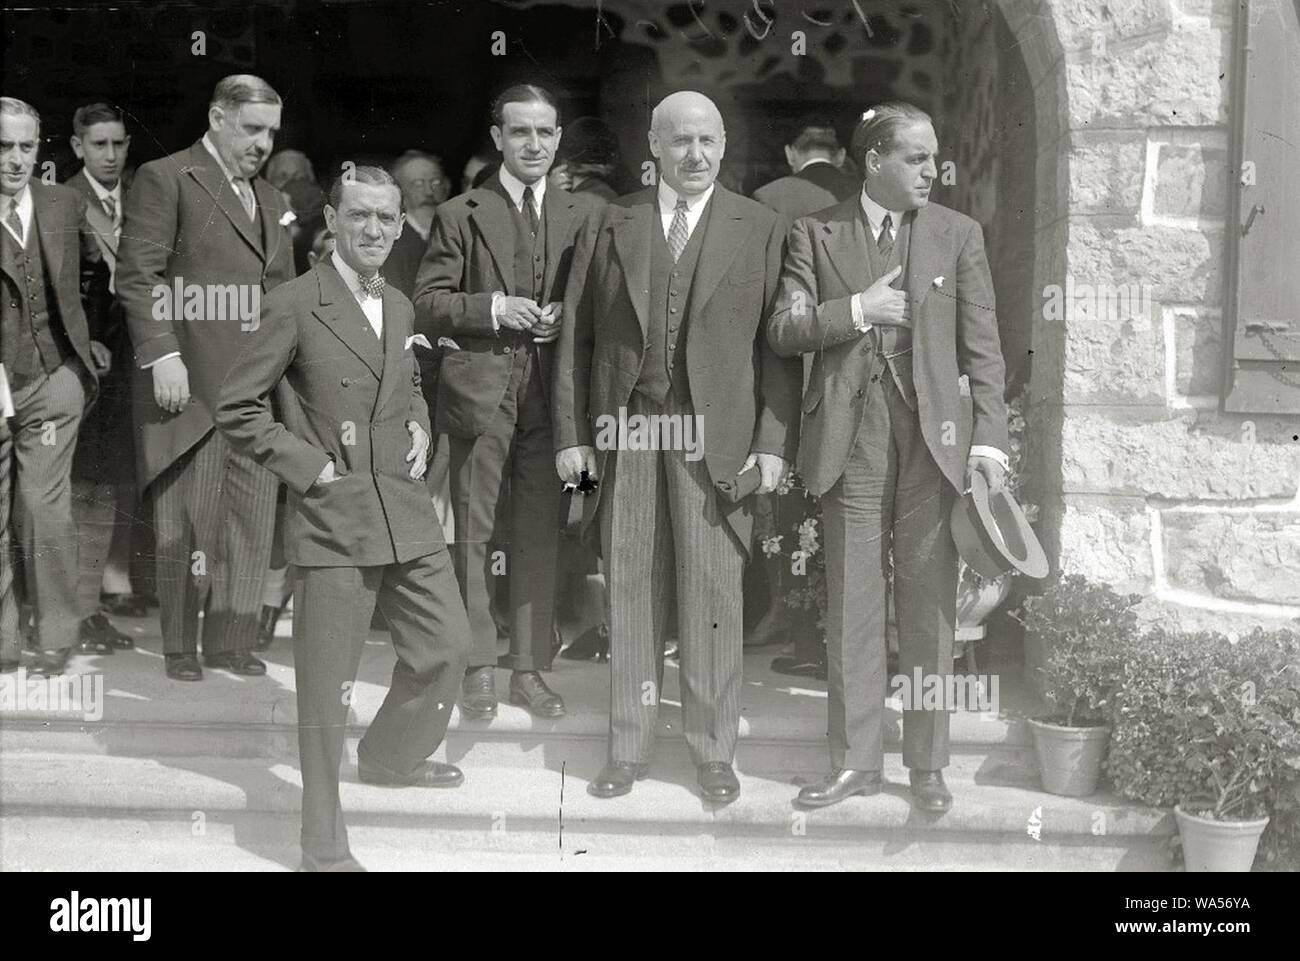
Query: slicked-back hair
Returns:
{"type": "Point", "coordinates": [815, 137]}
{"type": "Point", "coordinates": [374, 176]}
{"type": "Point", "coordinates": [416, 154]}
{"type": "Point", "coordinates": [880, 131]}
{"type": "Point", "coordinates": [241, 88]}
{"type": "Point", "coordinates": [93, 113]}
{"type": "Point", "coordinates": [522, 93]}
{"type": "Point", "coordinates": [20, 108]}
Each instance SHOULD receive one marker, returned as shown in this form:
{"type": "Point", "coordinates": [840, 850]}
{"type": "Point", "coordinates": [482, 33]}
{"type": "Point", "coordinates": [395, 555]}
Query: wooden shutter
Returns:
{"type": "Point", "coordinates": [1262, 263]}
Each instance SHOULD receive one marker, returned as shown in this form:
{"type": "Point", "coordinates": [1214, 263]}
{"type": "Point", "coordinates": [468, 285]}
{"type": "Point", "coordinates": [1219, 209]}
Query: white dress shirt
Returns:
{"type": "Point", "coordinates": [515, 188]}
{"type": "Point", "coordinates": [373, 307]}
{"type": "Point", "coordinates": [668, 207]}
{"type": "Point", "coordinates": [23, 202]}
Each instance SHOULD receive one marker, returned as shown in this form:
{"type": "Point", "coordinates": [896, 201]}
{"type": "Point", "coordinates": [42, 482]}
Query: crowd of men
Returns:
{"type": "Point", "coordinates": [381, 397]}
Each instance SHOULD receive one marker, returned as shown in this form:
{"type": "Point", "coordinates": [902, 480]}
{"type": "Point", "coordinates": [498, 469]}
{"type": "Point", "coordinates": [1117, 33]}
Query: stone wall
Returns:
{"type": "Point", "coordinates": [1145, 484]}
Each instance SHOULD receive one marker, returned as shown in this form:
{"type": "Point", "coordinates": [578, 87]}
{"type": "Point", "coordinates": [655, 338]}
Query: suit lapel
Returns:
{"type": "Point", "coordinates": [632, 244]}
{"type": "Point", "coordinates": [210, 177]}
{"type": "Point", "coordinates": [725, 234]}
{"type": "Point", "coordinates": [559, 216]}
{"type": "Point", "coordinates": [49, 228]}
{"type": "Point", "coordinates": [100, 223]}
{"type": "Point", "coordinates": [396, 323]}
{"type": "Point", "coordinates": [340, 312]}
{"type": "Point", "coordinates": [927, 252]}
{"type": "Point", "coordinates": [269, 209]}
{"type": "Point", "coordinates": [491, 214]}
{"type": "Point", "coordinates": [845, 238]}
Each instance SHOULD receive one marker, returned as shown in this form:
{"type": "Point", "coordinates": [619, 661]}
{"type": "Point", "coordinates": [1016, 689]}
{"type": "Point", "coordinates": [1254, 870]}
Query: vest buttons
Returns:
{"type": "Point", "coordinates": [874, 378]}
{"type": "Point", "coordinates": [672, 310]}
{"type": "Point", "coordinates": [537, 257]}
{"type": "Point", "coordinates": [673, 292]}
{"type": "Point", "coordinates": [860, 392]}
{"type": "Point", "coordinates": [347, 382]}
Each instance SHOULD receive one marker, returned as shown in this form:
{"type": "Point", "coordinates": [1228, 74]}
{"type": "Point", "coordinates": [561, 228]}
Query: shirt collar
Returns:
{"type": "Point", "coordinates": [876, 213]}
{"type": "Point", "coordinates": [668, 198]}
{"type": "Point", "coordinates": [815, 160]}
{"type": "Point", "coordinates": [350, 276]}
{"type": "Point", "coordinates": [100, 190]}
{"type": "Point", "coordinates": [515, 188]}
{"type": "Point", "coordinates": [212, 149]}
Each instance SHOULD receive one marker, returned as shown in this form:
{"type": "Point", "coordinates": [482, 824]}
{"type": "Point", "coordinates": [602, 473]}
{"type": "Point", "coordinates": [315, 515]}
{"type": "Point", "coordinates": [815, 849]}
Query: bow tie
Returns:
{"type": "Point", "coordinates": [373, 286]}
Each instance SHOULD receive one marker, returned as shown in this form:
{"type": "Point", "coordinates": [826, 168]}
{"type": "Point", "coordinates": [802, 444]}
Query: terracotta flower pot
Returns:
{"type": "Point", "coordinates": [1069, 758]}
{"type": "Point", "coordinates": [1210, 845]}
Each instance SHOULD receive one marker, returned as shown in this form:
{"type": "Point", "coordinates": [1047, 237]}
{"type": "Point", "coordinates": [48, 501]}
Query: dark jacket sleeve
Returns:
{"type": "Point", "coordinates": [780, 379]}
{"type": "Point", "coordinates": [571, 387]}
{"type": "Point", "coordinates": [148, 238]}
{"type": "Point", "coordinates": [442, 307]}
{"type": "Point", "coordinates": [243, 412]}
{"type": "Point", "coordinates": [979, 347]}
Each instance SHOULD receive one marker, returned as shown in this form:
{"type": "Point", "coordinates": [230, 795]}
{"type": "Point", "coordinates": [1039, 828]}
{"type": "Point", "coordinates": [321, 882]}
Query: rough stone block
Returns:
{"type": "Point", "coordinates": [1189, 180]}
{"type": "Point", "coordinates": [1238, 556]}
{"type": "Point", "coordinates": [1181, 264]}
{"type": "Point", "coordinates": [1198, 346]}
{"type": "Point", "coordinates": [1114, 347]}
{"type": "Point", "coordinates": [1106, 175]}
{"type": "Point", "coordinates": [1110, 546]}
{"type": "Point", "coordinates": [1200, 456]}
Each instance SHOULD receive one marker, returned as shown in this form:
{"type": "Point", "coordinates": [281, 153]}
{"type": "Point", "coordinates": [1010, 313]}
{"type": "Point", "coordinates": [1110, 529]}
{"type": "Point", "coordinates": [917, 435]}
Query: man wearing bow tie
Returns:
{"type": "Point", "coordinates": [201, 221]}
{"type": "Point", "coordinates": [336, 346]}
{"type": "Point", "coordinates": [893, 297]}
{"type": "Point", "coordinates": [491, 282]}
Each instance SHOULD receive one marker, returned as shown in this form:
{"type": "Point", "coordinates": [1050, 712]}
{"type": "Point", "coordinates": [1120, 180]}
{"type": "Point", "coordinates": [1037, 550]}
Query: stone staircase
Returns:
{"type": "Point", "coordinates": [204, 776]}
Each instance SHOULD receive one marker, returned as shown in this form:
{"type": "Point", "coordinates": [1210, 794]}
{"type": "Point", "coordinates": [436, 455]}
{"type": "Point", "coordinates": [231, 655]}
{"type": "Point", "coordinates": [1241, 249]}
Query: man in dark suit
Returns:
{"type": "Point", "coordinates": [665, 317]}
{"type": "Point", "coordinates": [816, 180]}
{"type": "Point", "coordinates": [491, 283]}
{"type": "Point", "coordinates": [336, 344]}
{"type": "Point", "coordinates": [200, 223]}
{"type": "Point", "coordinates": [51, 368]}
{"type": "Point", "coordinates": [103, 469]}
{"type": "Point", "coordinates": [893, 295]}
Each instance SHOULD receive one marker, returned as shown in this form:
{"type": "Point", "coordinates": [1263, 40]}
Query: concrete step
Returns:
{"type": "Point", "coordinates": [506, 810]}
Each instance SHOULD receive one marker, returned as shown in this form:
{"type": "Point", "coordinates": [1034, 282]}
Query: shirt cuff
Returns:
{"type": "Point", "coordinates": [981, 450]}
{"type": "Point", "coordinates": [174, 353]}
{"type": "Point", "coordinates": [859, 321]}
{"type": "Point", "coordinates": [496, 299]}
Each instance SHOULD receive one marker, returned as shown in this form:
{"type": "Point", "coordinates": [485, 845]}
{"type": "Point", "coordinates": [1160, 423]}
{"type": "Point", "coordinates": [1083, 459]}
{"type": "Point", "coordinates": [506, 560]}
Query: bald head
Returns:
{"type": "Point", "coordinates": [688, 140]}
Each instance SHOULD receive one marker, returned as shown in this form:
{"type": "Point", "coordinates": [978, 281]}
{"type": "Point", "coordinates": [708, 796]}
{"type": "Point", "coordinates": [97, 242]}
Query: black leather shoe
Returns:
{"type": "Point", "coordinates": [184, 667]}
{"type": "Point", "coordinates": [236, 662]}
{"type": "Point", "coordinates": [266, 626]}
{"type": "Point", "coordinates": [930, 792]}
{"type": "Point", "coordinates": [616, 778]}
{"type": "Point", "coordinates": [310, 865]}
{"type": "Point", "coordinates": [527, 689]}
{"type": "Point", "coordinates": [591, 643]}
{"type": "Point", "coordinates": [838, 785]}
{"type": "Point", "coordinates": [478, 694]}
{"type": "Point", "coordinates": [49, 663]}
{"type": "Point", "coordinates": [426, 774]}
{"type": "Point", "coordinates": [99, 629]}
{"type": "Point", "coordinates": [718, 782]}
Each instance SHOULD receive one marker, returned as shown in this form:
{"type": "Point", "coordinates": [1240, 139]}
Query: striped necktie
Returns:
{"type": "Point", "coordinates": [885, 242]}
{"type": "Point", "coordinates": [244, 190]}
{"type": "Point", "coordinates": [14, 222]}
{"type": "Point", "coordinates": [678, 235]}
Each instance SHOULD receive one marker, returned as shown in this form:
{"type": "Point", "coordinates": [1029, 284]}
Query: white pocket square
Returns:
{"type": "Point", "coordinates": [448, 343]}
{"type": "Point", "coordinates": [418, 339]}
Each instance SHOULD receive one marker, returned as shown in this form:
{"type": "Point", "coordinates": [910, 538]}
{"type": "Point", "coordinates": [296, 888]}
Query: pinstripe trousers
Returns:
{"type": "Point", "coordinates": [663, 532]}
{"type": "Point", "coordinates": [214, 510]}
{"type": "Point", "coordinates": [36, 506]}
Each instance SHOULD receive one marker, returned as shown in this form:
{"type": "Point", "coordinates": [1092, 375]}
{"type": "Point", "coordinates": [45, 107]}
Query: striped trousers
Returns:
{"type": "Point", "coordinates": [664, 535]}
{"type": "Point", "coordinates": [214, 511]}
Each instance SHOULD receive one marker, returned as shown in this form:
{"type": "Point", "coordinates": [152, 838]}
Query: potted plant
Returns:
{"type": "Point", "coordinates": [1211, 726]}
{"type": "Point", "coordinates": [1083, 627]}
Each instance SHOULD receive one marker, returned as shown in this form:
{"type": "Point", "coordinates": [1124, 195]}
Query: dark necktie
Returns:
{"type": "Point", "coordinates": [532, 213]}
{"type": "Point", "coordinates": [678, 235]}
{"type": "Point", "coordinates": [14, 221]}
{"type": "Point", "coordinates": [244, 190]}
{"type": "Point", "coordinates": [885, 242]}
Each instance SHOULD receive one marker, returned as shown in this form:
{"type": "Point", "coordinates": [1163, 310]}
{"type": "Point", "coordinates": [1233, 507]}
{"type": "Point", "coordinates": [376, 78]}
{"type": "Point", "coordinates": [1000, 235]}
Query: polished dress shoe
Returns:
{"type": "Point", "coordinates": [718, 782]}
{"type": "Point", "coordinates": [478, 694]}
{"type": "Point", "coordinates": [527, 689]}
{"type": "Point", "coordinates": [184, 667]}
{"type": "Point", "coordinates": [930, 792]}
{"type": "Point", "coordinates": [838, 785]}
{"type": "Point", "coordinates": [266, 626]}
{"type": "Point", "coordinates": [616, 778]}
{"type": "Point", "coordinates": [49, 663]}
{"type": "Point", "coordinates": [426, 774]}
{"type": "Point", "coordinates": [98, 629]}
{"type": "Point", "coordinates": [591, 643]}
{"type": "Point", "coordinates": [237, 662]}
